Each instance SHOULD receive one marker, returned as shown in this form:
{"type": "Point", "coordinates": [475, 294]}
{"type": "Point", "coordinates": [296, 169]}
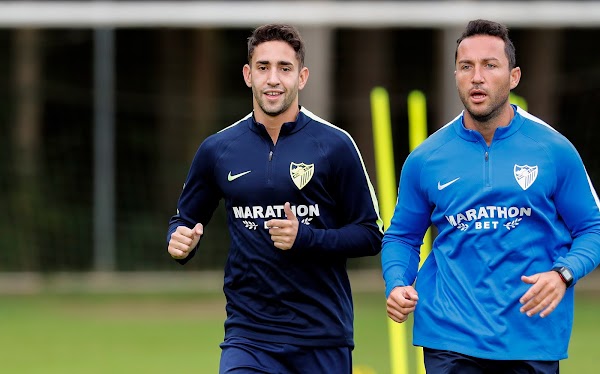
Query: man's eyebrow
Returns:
{"type": "Point", "coordinates": [486, 59]}
{"type": "Point", "coordinates": [490, 59]}
{"type": "Point", "coordinates": [283, 62]}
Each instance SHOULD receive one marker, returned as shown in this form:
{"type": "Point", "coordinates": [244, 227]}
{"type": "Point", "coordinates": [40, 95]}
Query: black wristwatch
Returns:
{"type": "Point", "coordinates": [565, 274]}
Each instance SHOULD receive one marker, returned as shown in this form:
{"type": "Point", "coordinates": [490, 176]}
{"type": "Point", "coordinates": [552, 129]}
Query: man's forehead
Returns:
{"type": "Point", "coordinates": [481, 47]}
{"type": "Point", "coordinates": [275, 52]}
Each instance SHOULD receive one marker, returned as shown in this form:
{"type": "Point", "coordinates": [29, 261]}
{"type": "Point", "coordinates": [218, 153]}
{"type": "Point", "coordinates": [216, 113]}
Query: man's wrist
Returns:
{"type": "Point", "coordinates": [566, 275]}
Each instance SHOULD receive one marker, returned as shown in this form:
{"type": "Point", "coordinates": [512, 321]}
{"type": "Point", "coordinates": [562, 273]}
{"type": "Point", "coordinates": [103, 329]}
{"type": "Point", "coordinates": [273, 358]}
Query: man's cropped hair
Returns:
{"type": "Point", "coordinates": [485, 27]}
{"type": "Point", "coordinates": [277, 32]}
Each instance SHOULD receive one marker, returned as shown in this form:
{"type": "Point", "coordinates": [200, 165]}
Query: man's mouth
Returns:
{"type": "Point", "coordinates": [478, 95]}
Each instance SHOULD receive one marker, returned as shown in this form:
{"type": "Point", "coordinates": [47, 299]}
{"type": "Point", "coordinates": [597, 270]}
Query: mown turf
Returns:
{"type": "Point", "coordinates": [181, 333]}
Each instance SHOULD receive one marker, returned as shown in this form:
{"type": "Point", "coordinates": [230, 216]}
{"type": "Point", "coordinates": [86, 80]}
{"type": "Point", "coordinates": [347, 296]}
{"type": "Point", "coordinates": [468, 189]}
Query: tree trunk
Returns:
{"type": "Point", "coordinates": [26, 145]}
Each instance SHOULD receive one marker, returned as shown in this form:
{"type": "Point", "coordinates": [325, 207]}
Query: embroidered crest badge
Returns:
{"type": "Point", "coordinates": [525, 175]}
{"type": "Point", "coordinates": [301, 173]}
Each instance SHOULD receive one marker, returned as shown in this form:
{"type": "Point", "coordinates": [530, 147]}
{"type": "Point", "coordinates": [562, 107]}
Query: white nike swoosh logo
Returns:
{"type": "Point", "coordinates": [442, 186]}
{"type": "Point", "coordinates": [236, 176]}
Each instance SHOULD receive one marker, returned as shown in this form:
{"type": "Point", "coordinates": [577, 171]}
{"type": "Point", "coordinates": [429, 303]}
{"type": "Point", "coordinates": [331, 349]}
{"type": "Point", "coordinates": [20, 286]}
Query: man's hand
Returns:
{"type": "Point", "coordinates": [401, 302]}
{"type": "Point", "coordinates": [283, 231]}
{"type": "Point", "coordinates": [183, 240]}
{"type": "Point", "coordinates": [544, 296]}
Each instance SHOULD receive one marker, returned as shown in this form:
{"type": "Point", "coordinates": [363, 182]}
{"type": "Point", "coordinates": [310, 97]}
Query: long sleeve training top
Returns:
{"type": "Point", "coordinates": [520, 206]}
{"type": "Point", "coordinates": [300, 296]}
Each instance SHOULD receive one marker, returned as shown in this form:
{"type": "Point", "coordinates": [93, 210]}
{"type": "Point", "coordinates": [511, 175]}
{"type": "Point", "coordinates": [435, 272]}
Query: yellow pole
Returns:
{"type": "Point", "coordinates": [387, 193]}
{"type": "Point", "coordinates": [417, 132]}
{"type": "Point", "coordinates": [518, 100]}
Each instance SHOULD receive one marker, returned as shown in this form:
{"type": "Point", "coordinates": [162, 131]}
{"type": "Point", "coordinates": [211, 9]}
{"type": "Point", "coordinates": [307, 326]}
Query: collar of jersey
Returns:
{"type": "Point", "coordinates": [501, 132]}
{"type": "Point", "coordinates": [286, 128]}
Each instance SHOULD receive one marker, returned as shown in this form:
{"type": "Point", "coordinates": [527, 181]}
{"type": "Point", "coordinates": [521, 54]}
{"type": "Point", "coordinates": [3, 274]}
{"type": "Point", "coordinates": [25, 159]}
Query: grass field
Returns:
{"type": "Point", "coordinates": [181, 333]}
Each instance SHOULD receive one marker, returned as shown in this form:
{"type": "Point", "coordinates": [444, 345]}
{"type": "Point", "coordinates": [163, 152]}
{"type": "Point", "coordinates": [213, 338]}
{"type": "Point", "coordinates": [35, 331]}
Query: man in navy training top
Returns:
{"type": "Point", "coordinates": [299, 203]}
{"type": "Point", "coordinates": [518, 225]}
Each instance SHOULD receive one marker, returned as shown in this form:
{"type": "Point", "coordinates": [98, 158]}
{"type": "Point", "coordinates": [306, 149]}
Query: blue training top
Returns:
{"type": "Point", "coordinates": [521, 206]}
{"type": "Point", "coordinates": [299, 296]}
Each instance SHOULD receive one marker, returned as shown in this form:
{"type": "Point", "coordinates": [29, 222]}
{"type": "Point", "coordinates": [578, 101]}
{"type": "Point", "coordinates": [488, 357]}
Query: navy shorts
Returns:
{"type": "Point", "coordinates": [243, 356]}
{"type": "Point", "coordinates": [448, 362]}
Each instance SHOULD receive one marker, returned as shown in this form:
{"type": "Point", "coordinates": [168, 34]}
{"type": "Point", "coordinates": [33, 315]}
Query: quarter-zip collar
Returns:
{"type": "Point", "coordinates": [500, 133]}
{"type": "Point", "coordinates": [287, 128]}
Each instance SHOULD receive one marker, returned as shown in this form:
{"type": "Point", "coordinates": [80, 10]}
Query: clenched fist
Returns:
{"type": "Point", "coordinates": [183, 240]}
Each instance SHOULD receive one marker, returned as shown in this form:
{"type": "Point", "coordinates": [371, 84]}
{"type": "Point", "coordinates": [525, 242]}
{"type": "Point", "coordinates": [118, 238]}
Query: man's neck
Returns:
{"type": "Point", "coordinates": [273, 124]}
{"type": "Point", "coordinates": [488, 127]}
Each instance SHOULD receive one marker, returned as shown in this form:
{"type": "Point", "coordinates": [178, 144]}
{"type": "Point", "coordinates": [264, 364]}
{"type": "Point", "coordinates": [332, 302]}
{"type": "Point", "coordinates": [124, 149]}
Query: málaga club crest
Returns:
{"type": "Point", "coordinates": [301, 173]}
{"type": "Point", "coordinates": [525, 175]}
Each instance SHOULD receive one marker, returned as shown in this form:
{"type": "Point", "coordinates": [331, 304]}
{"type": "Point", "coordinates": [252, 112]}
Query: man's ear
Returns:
{"type": "Point", "coordinates": [303, 77]}
{"type": "Point", "coordinates": [515, 77]}
{"type": "Point", "coordinates": [247, 75]}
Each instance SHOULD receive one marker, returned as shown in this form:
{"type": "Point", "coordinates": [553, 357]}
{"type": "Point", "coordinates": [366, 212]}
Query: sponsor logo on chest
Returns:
{"type": "Point", "coordinates": [304, 213]}
{"type": "Point", "coordinates": [301, 174]}
{"type": "Point", "coordinates": [494, 217]}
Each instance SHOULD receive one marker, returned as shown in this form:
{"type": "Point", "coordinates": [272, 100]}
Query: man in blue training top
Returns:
{"type": "Point", "coordinates": [518, 225]}
{"type": "Point", "coordinates": [299, 203]}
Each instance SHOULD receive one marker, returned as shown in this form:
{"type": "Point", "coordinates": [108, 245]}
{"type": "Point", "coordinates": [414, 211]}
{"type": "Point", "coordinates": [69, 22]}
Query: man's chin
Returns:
{"type": "Point", "coordinates": [274, 112]}
{"type": "Point", "coordinates": [478, 112]}
{"type": "Point", "coordinates": [480, 116]}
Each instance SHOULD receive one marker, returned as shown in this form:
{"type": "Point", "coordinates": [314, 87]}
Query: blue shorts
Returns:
{"type": "Point", "coordinates": [448, 362]}
{"type": "Point", "coordinates": [244, 356]}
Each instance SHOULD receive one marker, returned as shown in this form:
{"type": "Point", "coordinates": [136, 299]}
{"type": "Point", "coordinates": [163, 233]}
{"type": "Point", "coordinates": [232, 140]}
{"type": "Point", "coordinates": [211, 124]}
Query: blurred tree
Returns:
{"type": "Point", "coordinates": [26, 144]}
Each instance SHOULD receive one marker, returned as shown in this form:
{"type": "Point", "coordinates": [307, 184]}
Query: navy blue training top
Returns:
{"type": "Point", "coordinates": [299, 296]}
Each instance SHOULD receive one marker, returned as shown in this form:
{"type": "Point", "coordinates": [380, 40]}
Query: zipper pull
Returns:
{"type": "Point", "coordinates": [270, 155]}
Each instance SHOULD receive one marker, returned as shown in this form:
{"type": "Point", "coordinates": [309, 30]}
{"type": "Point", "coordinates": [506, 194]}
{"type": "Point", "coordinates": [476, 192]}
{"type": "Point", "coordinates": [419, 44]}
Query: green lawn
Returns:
{"type": "Point", "coordinates": [181, 333]}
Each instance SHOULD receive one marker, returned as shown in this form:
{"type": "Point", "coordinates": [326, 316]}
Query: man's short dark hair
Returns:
{"type": "Point", "coordinates": [272, 32]}
{"type": "Point", "coordinates": [485, 27]}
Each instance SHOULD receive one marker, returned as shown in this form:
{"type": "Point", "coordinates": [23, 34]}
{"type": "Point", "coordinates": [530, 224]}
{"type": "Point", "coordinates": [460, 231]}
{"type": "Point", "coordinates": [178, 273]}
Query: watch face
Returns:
{"type": "Point", "coordinates": [567, 274]}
